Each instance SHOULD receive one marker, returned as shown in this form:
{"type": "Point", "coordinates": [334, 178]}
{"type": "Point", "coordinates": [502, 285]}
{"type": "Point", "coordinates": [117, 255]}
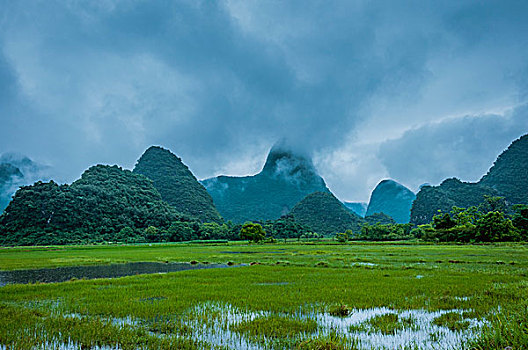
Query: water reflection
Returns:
{"type": "Point", "coordinates": [62, 274]}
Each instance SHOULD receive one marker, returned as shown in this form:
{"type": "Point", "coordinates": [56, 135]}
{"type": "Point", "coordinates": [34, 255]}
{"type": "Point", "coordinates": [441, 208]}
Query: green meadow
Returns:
{"type": "Point", "coordinates": [304, 295]}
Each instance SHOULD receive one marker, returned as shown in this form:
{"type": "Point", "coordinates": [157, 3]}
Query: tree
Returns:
{"type": "Point", "coordinates": [443, 222]}
{"type": "Point", "coordinates": [252, 232]}
{"type": "Point", "coordinates": [152, 234]}
{"type": "Point", "coordinates": [494, 227]}
{"type": "Point", "coordinates": [126, 234]}
{"type": "Point", "coordinates": [180, 231]}
{"type": "Point", "coordinates": [520, 220]}
{"type": "Point", "coordinates": [342, 237]}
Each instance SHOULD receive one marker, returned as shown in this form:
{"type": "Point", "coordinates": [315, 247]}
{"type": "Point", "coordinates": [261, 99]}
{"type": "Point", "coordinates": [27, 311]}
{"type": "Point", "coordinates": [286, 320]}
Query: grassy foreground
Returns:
{"type": "Point", "coordinates": [281, 301]}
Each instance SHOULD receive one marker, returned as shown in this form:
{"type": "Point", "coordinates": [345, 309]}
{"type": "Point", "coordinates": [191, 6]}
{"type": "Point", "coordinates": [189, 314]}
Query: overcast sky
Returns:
{"type": "Point", "coordinates": [416, 91]}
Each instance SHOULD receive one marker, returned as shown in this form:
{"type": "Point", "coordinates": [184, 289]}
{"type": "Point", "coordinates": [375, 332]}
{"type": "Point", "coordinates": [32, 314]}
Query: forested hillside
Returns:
{"type": "Point", "coordinates": [450, 193]}
{"type": "Point", "coordinates": [176, 184]}
{"type": "Point", "coordinates": [325, 214]}
{"type": "Point", "coordinates": [509, 173]}
{"type": "Point", "coordinates": [105, 200]}
{"type": "Point", "coordinates": [508, 177]}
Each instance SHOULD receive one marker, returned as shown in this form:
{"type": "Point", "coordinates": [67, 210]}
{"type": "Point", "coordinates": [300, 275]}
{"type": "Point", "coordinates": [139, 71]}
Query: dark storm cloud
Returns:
{"type": "Point", "coordinates": [219, 82]}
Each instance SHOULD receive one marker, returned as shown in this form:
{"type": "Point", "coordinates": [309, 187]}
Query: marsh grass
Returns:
{"type": "Point", "coordinates": [25, 329]}
{"type": "Point", "coordinates": [388, 323]}
{"type": "Point", "coordinates": [275, 326]}
{"type": "Point", "coordinates": [453, 321]}
{"type": "Point", "coordinates": [164, 311]}
{"type": "Point", "coordinates": [332, 341]}
{"type": "Point", "coordinates": [506, 330]}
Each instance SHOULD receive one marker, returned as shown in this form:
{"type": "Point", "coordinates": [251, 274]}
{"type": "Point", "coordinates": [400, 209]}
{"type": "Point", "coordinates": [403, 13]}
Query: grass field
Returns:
{"type": "Point", "coordinates": [317, 295]}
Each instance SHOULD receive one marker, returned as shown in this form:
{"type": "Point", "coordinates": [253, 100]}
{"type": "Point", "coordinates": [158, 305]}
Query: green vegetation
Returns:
{"type": "Point", "coordinates": [285, 179]}
{"type": "Point", "coordinates": [176, 184]}
{"type": "Point", "coordinates": [509, 173]}
{"type": "Point", "coordinates": [393, 199]}
{"type": "Point", "coordinates": [452, 320]}
{"type": "Point", "coordinates": [451, 193]}
{"type": "Point", "coordinates": [508, 177]}
{"type": "Point", "coordinates": [94, 208]}
{"type": "Point", "coordinates": [325, 214]}
{"type": "Point", "coordinates": [287, 227]}
{"type": "Point", "coordinates": [379, 218]}
{"type": "Point", "coordinates": [477, 224]}
{"type": "Point", "coordinates": [387, 232]}
{"type": "Point", "coordinates": [49, 330]}
{"type": "Point", "coordinates": [252, 232]}
{"type": "Point", "coordinates": [385, 324]}
{"type": "Point", "coordinates": [332, 341]}
{"type": "Point", "coordinates": [285, 298]}
{"type": "Point", "coordinates": [275, 327]}
{"type": "Point", "coordinates": [507, 330]}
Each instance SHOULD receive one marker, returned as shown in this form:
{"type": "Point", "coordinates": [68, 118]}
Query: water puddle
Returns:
{"type": "Point", "coordinates": [62, 274]}
{"type": "Point", "coordinates": [423, 334]}
{"type": "Point", "coordinates": [212, 323]}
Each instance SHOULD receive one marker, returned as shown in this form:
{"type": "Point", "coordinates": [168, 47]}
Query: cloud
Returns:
{"type": "Point", "coordinates": [218, 82]}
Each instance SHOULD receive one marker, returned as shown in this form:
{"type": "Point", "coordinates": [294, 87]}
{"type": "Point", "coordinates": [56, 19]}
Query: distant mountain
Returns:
{"type": "Point", "coordinates": [509, 173]}
{"type": "Point", "coordinates": [325, 214]}
{"type": "Point", "coordinates": [287, 177]}
{"type": "Point", "coordinates": [451, 192]}
{"type": "Point", "coordinates": [9, 175]}
{"type": "Point", "coordinates": [18, 170]}
{"type": "Point", "coordinates": [94, 208]}
{"type": "Point", "coordinates": [393, 199]}
{"type": "Point", "coordinates": [359, 208]}
{"type": "Point", "coordinates": [177, 184]}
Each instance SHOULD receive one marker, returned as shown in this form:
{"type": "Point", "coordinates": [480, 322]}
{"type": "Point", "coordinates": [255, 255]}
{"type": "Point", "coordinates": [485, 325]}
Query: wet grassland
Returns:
{"type": "Point", "coordinates": [308, 295]}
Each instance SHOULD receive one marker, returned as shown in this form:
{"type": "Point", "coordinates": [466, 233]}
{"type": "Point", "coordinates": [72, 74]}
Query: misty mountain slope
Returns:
{"type": "Point", "coordinates": [177, 184]}
{"type": "Point", "coordinates": [286, 178]}
{"type": "Point", "coordinates": [359, 208]}
{"type": "Point", "coordinates": [92, 209]}
{"type": "Point", "coordinates": [393, 199]}
{"type": "Point", "coordinates": [325, 214]}
{"type": "Point", "coordinates": [9, 175]}
{"type": "Point", "coordinates": [18, 170]}
{"type": "Point", "coordinates": [451, 192]}
{"type": "Point", "coordinates": [509, 173]}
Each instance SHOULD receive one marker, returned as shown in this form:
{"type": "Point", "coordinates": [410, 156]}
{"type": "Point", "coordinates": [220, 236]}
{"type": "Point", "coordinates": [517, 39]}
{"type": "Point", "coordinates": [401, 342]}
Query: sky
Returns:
{"type": "Point", "coordinates": [416, 91]}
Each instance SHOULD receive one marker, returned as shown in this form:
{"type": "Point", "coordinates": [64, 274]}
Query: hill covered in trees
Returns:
{"type": "Point", "coordinates": [325, 214]}
{"type": "Point", "coordinates": [95, 208]}
{"type": "Point", "coordinates": [393, 199]}
{"type": "Point", "coordinates": [287, 177]}
{"type": "Point", "coordinates": [509, 173]}
{"type": "Point", "coordinates": [450, 193]}
{"type": "Point", "coordinates": [177, 184]}
{"type": "Point", "coordinates": [508, 177]}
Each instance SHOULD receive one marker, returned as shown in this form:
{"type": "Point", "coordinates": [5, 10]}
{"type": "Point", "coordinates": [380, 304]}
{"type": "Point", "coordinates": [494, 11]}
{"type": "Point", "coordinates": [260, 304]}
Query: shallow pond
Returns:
{"type": "Point", "coordinates": [62, 274]}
